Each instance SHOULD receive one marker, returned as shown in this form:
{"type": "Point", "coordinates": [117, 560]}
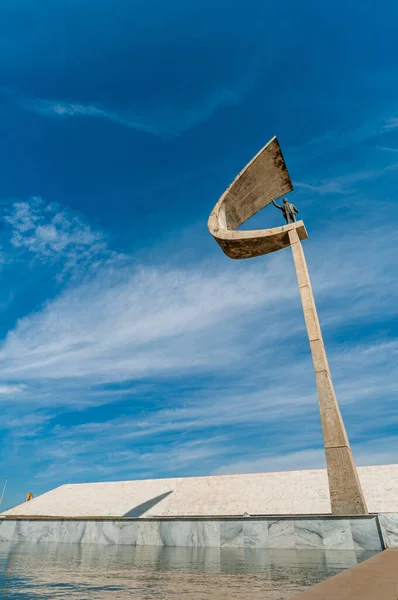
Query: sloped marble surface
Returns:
{"type": "Point", "coordinates": [281, 493]}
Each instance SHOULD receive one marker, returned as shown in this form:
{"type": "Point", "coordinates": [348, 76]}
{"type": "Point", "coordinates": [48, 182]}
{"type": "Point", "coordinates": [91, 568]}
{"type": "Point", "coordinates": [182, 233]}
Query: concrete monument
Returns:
{"type": "Point", "coordinates": [264, 178]}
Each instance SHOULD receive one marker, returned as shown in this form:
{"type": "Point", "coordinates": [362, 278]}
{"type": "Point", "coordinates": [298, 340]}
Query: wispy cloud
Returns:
{"type": "Point", "coordinates": [366, 454]}
{"type": "Point", "coordinates": [344, 184]}
{"type": "Point", "coordinates": [11, 389]}
{"type": "Point", "coordinates": [125, 323]}
{"type": "Point", "coordinates": [288, 421]}
{"type": "Point", "coordinates": [387, 149]}
{"type": "Point", "coordinates": [193, 359]}
{"type": "Point", "coordinates": [128, 323]}
{"type": "Point", "coordinates": [391, 124]}
{"type": "Point", "coordinates": [65, 109]}
{"type": "Point", "coordinates": [162, 120]}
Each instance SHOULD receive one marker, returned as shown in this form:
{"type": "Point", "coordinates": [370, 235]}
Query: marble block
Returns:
{"type": "Point", "coordinates": [128, 532]}
{"type": "Point", "coordinates": [255, 534]}
{"type": "Point", "coordinates": [91, 534]}
{"type": "Point", "coordinates": [149, 534]}
{"type": "Point", "coordinates": [179, 533]}
{"type": "Point", "coordinates": [7, 529]}
{"type": "Point", "coordinates": [23, 531]}
{"type": "Point", "coordinates": [308, 534]}
{"type": "Point", "coordinates": [365, 534]}
{"type": "Point", "coordinates": [231, 534]}
{"type": "Point", "coordinates": [71, 532]}
{"type": "Point", "coordinates": [388, 526]}
{"type": "Point", "coordinates": [43, 531]}
{"type": "Point", "coordinates": [102, 532]}
{"type": "Point", "coordinates": [337, 534]}
{"type": "Point", "coordinates": [208, 533]}
{"type": "Point", "coordinates": [281, 534]}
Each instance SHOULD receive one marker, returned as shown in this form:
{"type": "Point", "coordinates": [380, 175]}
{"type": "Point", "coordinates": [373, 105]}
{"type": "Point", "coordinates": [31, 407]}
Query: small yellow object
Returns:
{"type": "Point", "coordinates": [29, 496]}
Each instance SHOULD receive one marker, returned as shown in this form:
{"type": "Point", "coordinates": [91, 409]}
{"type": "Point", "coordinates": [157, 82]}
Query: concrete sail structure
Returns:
{"type": "Point", "coordinates": [266, 177]}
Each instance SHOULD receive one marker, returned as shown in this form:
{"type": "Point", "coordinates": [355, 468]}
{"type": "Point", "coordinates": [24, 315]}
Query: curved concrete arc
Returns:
{"type": "Point", "coordinates": [264, 177]}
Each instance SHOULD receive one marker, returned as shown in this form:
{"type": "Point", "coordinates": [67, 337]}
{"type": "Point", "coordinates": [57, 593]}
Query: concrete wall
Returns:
{"type": "Point", "coordinates": [328, 533]}
{"type": "Point", "coordinates": [282, 493]}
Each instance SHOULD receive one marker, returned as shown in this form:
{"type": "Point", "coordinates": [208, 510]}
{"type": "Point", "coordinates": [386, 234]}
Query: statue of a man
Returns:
{"type": "Point", "coordinates": [288, 209]}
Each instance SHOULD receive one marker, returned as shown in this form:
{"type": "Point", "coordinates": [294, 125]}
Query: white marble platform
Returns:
{"type": "Point", "coordinates": [281, 493]}
{"type": "Point", "coordinates": [330, 533]}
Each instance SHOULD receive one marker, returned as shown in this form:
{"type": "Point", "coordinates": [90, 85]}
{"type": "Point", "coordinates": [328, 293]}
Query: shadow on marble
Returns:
{"type": "Point", "coordinates": [145, 506]}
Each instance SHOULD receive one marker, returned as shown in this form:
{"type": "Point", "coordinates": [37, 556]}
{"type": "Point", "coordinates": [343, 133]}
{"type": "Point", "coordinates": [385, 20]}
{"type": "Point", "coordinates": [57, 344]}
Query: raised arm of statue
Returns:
{"type": "Point", "coordinates": [275, 204]}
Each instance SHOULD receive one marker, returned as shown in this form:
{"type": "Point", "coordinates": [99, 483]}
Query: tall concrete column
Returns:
{"type": "Point", "coordinates": [346, 494]}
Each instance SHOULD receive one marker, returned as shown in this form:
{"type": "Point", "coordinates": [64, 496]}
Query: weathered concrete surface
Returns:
{"type": "Point", "coordinates": [264, 177]}
{"type": "Point", "coordinates": [345, 489]}
{"type": "Point", "coordinates": [283, 493]}
{"type": "Point", "coordinates": [374, 579]}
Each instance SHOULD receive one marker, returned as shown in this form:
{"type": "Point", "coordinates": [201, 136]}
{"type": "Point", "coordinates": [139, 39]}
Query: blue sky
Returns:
{"type": "Point", "coordinates": [131, 347]}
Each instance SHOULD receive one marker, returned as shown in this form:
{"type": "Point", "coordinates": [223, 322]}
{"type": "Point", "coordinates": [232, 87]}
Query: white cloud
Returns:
{"type": "Point", "coordinates": [126, 324]}
{"type": "Point", "coordinates": [50, 233]}
{"type": "Point", "coordinates": [218, 348]}
{"type": "Point", "coordinates": [10, 390]}
{"type": "Point", "coordinates": [365, 454]}
{"type": "Point", "coordinates": [304, 459]}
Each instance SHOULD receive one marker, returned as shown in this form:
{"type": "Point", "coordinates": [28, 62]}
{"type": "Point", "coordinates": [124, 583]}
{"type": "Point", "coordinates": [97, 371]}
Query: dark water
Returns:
{"type": "Point", "coordinates": [32, 571]}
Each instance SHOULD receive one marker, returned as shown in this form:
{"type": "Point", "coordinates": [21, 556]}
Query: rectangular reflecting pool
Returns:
{"type": "Point", "coordinates": [32, 571]}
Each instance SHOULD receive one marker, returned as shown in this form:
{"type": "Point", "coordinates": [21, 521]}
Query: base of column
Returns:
{"type": "Point", "coordinates": [346, 494]}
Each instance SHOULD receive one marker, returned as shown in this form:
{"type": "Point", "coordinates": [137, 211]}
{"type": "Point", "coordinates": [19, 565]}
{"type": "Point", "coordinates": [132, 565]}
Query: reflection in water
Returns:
{"type": "Point", "coordinates": [97, 572]}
